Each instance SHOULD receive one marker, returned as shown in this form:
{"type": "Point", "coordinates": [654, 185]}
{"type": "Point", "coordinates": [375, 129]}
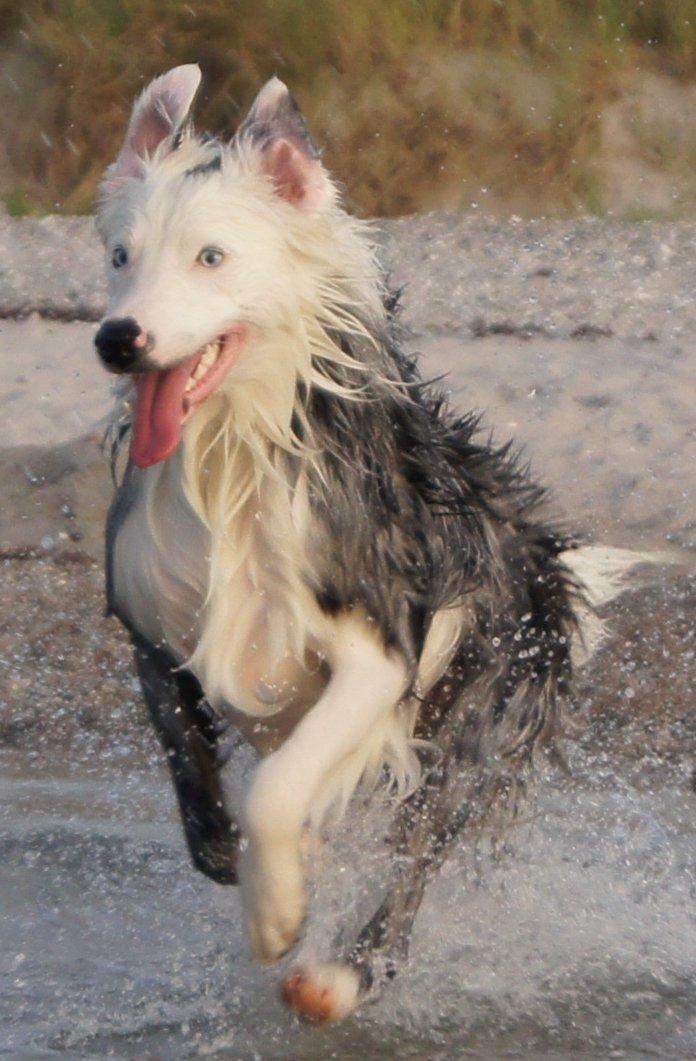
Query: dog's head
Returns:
{"type": "Point", "coordinates": [209, 249]}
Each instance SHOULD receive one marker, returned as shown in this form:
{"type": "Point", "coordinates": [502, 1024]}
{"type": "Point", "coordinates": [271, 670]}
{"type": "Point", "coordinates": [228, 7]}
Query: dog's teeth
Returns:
{"type": "Point", "coordinates": [207, 359]}
{"type": "Point", "coordinates": [209, 354]}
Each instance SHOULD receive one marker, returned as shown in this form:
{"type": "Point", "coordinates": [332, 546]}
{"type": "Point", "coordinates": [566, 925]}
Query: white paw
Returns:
{"type": "Point", "coordinates": [322, 993]}
{"type": "Point", "coordinates": [274, 897]}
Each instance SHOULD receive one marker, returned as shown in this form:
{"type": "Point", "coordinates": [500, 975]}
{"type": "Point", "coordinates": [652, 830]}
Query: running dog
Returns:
{"type": "Point", "coordinates": [307, 544]}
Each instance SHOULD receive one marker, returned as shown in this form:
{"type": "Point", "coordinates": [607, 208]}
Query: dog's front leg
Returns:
{"type": "Point", "coordinates": [188, 733]}
{"type": "Point", "coordinates": [426, 828]}
{"type": "Point", "coordinates": [365, 682]}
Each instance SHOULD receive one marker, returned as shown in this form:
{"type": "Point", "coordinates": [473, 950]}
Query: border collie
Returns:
{"type": "Point", "coordinates": [307, 544]}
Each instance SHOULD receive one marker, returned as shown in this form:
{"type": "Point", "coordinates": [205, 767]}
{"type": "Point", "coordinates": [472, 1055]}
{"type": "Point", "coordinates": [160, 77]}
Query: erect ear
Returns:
{"type": "Point", "coordinates": [277, 129]}
{"type": "Point", "coordinates": [158, 113]}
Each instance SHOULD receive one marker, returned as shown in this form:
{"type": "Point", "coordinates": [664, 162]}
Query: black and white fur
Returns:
{"type": "Point", "coordinates": [332, 561]}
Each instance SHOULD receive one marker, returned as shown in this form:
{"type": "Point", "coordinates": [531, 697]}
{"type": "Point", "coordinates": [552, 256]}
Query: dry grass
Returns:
{"type": "Point", "coordinates": [483, 104]}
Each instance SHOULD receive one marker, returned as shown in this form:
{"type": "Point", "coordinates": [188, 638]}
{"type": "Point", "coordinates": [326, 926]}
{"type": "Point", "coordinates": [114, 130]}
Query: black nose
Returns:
{"type": "Point", "coordinates": [115, 342]}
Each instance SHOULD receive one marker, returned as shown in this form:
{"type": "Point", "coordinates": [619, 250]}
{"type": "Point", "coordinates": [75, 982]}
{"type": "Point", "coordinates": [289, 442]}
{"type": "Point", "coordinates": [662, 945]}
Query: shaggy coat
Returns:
{"type": "Point", "coordinates": [320, 552]}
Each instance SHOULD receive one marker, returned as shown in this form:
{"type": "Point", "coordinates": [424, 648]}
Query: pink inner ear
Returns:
{"type": "Point", "coordinates": [154, 127]}
{"type": "Point", "coordinates": [157, 113]}
{"type": "Point", "coordinates": [145, 139]}
{"type": "Point", "coordinates": [298, 179]}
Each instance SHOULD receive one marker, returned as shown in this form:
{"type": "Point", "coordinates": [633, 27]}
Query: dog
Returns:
{"type": "Point", "coordinates": [307, 544]}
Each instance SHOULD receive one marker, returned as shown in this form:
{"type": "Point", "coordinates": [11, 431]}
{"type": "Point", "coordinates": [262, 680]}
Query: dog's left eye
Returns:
{"type": "Point", "coordinates": [119, 257]}
{"type": "Point", "coordinates": [211, 257]}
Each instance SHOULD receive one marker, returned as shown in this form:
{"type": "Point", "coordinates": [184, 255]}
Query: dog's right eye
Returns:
{"type": "Point", "coordinates": [211, 257]}
{"type": "Point", "coordinates": [119, 257]}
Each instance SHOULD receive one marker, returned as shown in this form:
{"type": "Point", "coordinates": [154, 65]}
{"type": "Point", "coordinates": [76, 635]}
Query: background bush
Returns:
{"type": "Point", "coordinates": [494, 105]}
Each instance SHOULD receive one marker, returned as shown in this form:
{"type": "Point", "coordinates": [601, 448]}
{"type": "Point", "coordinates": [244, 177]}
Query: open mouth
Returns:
{"type": "Point", "coordinates": [167, 398]}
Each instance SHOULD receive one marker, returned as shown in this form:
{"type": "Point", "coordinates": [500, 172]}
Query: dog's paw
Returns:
{"type": "Point", "coordinates": [322, 993]}
{"type": "Point", "coordinates": [274, 900]}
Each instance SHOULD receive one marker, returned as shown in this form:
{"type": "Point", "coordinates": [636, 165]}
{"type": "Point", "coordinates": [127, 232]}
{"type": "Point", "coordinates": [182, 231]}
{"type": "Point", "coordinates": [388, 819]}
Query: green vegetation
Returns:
{"type": "Point", "coordinates": [488, 105]}
{"type": "Point", "coordinates": [16, 202]}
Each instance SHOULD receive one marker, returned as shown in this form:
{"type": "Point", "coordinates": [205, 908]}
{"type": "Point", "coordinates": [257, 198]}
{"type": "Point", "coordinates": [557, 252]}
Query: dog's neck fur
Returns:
{"type": "Point", "coordinates": [244, 475]}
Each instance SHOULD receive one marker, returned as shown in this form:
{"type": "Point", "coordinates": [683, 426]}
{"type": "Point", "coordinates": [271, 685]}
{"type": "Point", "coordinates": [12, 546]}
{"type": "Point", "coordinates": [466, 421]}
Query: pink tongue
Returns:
{"type": "Point", "coordinates": [159, 414]}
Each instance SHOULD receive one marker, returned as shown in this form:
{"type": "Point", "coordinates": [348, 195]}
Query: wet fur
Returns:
{"type": "Point", "coordinates": [406, 513]}
{"type": "Point", "coordinates": [328, 484]}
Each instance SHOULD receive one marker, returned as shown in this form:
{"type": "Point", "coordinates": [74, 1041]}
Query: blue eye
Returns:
{"type": "Point", "coordinates": [119, 257]}
{"type": "Point", "coordinates": [211, 257]}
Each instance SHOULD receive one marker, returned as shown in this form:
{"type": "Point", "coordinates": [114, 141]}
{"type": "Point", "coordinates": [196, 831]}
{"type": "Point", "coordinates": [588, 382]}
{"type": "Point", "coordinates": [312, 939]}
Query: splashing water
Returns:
{"type": "Point", "coordinates": [574, 934]}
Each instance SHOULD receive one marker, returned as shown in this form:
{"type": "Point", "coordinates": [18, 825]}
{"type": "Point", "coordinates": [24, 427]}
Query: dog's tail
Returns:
{"type": "Point", "coordinates": [602, 574]}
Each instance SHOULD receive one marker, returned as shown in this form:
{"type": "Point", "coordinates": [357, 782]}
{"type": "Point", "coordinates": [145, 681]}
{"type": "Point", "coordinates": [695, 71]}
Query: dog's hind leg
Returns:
{"type": "Point", "coordinates": [189, 732]}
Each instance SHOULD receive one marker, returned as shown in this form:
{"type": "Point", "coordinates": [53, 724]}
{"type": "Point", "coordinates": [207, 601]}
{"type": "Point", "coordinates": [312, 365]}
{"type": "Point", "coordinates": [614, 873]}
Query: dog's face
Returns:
{"type": "Point", "coordinates": [199, 242]}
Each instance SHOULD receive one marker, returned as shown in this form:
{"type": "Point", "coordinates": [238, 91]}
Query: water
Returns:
{"type": "Point", "coordinates": [576, 937]}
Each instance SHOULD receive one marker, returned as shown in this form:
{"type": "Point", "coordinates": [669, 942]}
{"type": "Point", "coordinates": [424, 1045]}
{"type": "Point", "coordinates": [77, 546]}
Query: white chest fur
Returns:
{"type": "Point", "coordinates": [160, 560]}
{"type": "Point", "coordinates": [232, 603]}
